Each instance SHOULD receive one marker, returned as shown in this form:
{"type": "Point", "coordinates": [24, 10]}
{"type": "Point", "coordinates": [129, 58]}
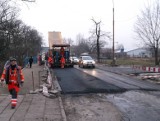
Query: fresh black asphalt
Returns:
{"type": "Point", "coordinates": [74, 81]}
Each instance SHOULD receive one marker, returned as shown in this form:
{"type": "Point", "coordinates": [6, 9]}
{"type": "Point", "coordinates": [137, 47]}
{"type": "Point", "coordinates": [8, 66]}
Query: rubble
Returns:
{"type": "Point", "coordinates": [47, 88]}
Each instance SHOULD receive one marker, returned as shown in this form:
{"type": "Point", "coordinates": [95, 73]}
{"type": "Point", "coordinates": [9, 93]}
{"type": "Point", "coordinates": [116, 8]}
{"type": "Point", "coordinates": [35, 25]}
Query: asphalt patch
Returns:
{"type": "Point", "coordinates": [73, 81]}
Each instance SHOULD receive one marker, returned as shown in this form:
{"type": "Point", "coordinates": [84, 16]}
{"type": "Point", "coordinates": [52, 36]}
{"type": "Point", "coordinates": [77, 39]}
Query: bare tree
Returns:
{"type": "Point", "coordinates": [98, 33]}
{"type": "Point", "coordinates": [68, 41]}
{"type": "Point", "coordinates": [80, 38]}
{"type": "Point", "coordinates": [7, 15]}
{"type": "Point", "coordinates": [147, 27]}
{"type": "Point", "coordinates": [92, 43]}
{"type": "Point", "coordinates": [16, 38]}
{"type": "Point", "coordinates": [81, 46]}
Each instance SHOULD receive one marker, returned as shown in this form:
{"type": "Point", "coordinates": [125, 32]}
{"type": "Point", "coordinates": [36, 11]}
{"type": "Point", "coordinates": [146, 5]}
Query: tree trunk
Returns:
{"type": "Point", "coordinates": [156, 56]}
{"type": "Point", "coordinates": [98, 53]}
{"type": "Point", "coordinates": [156, 53]}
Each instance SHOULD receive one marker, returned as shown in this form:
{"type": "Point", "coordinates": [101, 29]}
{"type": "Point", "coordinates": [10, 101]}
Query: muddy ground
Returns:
{"type": "Point", "coordinates": [90, 107]}
{"type": "Point", "coordinates": [127, 106]}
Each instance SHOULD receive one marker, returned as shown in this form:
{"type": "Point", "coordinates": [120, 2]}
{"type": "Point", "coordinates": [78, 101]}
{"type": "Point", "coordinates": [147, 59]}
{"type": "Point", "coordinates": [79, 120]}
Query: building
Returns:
{"type": "Point", "coordinates": [139, 52]}
{"type": "Point", "coordinates": [54, 38]}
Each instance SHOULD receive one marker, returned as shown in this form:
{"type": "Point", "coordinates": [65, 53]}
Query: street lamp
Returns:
{"type": "Point", "coordinates": [113, 61]}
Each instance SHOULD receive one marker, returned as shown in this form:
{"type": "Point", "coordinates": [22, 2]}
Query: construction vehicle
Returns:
{"type": "Point", "coordinates": [59, 50]}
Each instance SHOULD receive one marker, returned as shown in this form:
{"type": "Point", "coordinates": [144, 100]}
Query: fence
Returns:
{"type": "Point", "coordinates": [147, 68]}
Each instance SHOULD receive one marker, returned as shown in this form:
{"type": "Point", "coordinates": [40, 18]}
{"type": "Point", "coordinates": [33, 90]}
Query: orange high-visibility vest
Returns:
{"type": "Point", "coordinates": [13, 77]}
{"type": "Point", "coordinates": [62, 60]}
{"type": "Point", "coordinates": [50, 60]}
{"type": "Point", "coordinates": [62, 51]}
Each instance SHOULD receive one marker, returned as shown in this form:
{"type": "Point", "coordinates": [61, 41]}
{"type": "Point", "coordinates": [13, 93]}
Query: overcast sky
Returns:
{"type": "Point", "coordinates": [72, 17]}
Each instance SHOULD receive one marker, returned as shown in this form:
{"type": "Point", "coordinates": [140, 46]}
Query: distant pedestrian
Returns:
{"type": "Point", "coordinates": [30, 61]}
{"type": "Point", "coordinates": [13, 77]}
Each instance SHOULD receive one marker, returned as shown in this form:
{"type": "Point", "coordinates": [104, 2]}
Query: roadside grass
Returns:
{"type": "Point", "coordinates": [131, 61]}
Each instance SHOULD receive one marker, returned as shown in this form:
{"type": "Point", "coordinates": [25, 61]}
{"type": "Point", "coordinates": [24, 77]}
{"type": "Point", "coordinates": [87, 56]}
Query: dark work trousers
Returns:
{"type": "Point", "coordinates": [30, 64]}
{"type": "Point", "coordinates": [14, 98]}
{"type": "Point", "coordinates": [13, 93]}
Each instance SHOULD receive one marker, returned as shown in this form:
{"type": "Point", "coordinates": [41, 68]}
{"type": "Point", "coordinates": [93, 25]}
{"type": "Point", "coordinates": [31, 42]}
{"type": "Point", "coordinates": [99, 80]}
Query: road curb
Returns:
{"type": "Point", "coordinates": [64, 118]}
{"type": "Point", "coordinates": [57, 86]}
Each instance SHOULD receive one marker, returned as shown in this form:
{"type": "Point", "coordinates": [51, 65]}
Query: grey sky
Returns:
{"type": "Point", "coordinates": [72, 17]}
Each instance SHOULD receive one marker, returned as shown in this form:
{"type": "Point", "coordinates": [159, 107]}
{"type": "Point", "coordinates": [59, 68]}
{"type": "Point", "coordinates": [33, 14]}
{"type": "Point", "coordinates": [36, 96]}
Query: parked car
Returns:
{"type": "Point", "coordinates": [74, 60]}
{"type": "Point", "coordinates": [86, 61]}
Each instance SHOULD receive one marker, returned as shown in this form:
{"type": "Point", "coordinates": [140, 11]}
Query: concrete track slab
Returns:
{"type": "Point", "coordinates": [30, 107]}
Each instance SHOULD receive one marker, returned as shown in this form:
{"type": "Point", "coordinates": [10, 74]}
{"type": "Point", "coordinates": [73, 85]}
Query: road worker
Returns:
{"type": "Point", "coordinates": [13, 77]}
{"type": "Point", "coordinates": [50, 61]}
{"type": "Point", "coordinates": [39, 59]}
{"type": "Point", "coordinates": [62, 51]}
{"type": "Point", "coordinates": [62, 61]}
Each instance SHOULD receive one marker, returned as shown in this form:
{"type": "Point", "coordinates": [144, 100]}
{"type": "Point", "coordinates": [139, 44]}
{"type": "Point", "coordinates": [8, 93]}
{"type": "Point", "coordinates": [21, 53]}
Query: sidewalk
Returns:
{"type": "Point", "coordinates": [31, 107]}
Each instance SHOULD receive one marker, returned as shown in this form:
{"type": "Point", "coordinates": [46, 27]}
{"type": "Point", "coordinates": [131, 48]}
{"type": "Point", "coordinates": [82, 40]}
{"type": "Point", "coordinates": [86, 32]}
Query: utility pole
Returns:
{"type": "Point", "coordinates": [98, 34]}
{"type": "Point", "coordinates": [113, 61]}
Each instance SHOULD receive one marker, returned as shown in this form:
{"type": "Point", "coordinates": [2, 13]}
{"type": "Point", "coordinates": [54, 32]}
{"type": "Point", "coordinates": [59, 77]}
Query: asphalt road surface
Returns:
{"type": "Point", "coordinates": [74, 81]}
{"type": "Point", "coordinates": [135, 102]}
{"type": "Point", "coordinates": [78, 80]}
{"type": "Point", "coordinates": [138, 100]}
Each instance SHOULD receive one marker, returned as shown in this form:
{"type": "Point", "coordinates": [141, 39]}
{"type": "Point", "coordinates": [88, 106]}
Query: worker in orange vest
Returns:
{"type": "Point", "coordinates": [13, 77]}
{"type": "Point", "coordinates": [50, 61]}
{"type": "Point", "coordinates": [62, 51]}
{"type": "Point", "coordinates": [62, 61]}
